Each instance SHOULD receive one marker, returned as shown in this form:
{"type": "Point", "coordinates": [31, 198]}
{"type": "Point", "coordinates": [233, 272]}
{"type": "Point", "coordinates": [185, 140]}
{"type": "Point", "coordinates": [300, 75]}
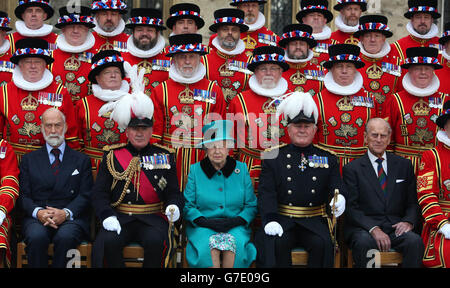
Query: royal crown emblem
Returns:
{"type": "Point", "coordinates": [224, 71]}
{"type": "Point", "coordinates": [374, 71]}
{"type": "Point", "coordinates": [147, 66]}
{"type": "Point", "coordinates": [29, 103]}
{"type": "Point", "coordinates": [298, 78]}
{"type": "Point", "coordinates": [186, 96]}
{"type": "Point", "coordinates": [269, 107]}
{"type": "Point", "coordinates": [250, 43]}
{"type": "Point", "coordinates": [345, 104]}
{"type": "Point", "coordinates": [72, 63]}
{"type": "Point", "coordinates": [421, 108]}
{"type": "Point", "coordinates": [351, 40]}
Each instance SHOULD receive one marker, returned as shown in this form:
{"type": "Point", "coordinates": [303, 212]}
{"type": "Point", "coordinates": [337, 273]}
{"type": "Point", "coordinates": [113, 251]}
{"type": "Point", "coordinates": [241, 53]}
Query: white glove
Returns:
{"type": "Point", "coordinates": [2, 217]}
{"type": "Point", "coordinates": [112, 224]}
{"type": "Point", "coordinates": [273, 228]}
{"type": "Point", "coordinates": [340, 205]}
{"type": "Point", "coordinates": [176, 212]}
{"type": "Point", "coordinates": [445, 230]}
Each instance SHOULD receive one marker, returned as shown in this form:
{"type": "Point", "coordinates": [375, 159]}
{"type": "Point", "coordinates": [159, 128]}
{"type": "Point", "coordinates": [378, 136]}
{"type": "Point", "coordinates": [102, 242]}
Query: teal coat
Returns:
{"type": "Point", "coordinates": [219, 197]}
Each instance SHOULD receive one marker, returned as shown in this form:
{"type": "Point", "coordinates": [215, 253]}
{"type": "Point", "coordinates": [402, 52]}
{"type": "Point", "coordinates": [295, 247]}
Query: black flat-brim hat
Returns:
{"type": "Point", "coordinates": [341, 3]}
{"type": "Point", "coordinates": [31, 47]}
{"type": "Point", "coordinates": [182, 11]}
{"type": "Point", "coordinates": [24, 4]}
{"type": "Point", "coordinates": [344, 53]}
{"type": "Point", "coordinates": [373, 23]}
{"type": "Point", "coordinates": [268, 55]}
{"type": "Point", "coordinates": [186, 43]}
{"type": "Point", "coordinates": [237, 2]}
{"type": "Point", "coordinates": [146, 17]}
{"type": "Point", "coordinates": [300, 32]}
{"type": "Point", "coordinates": [5, 21]}
{"type": "Point", "coordinates": [81, 15]}
{"type": "Point", "coordinates": [422, 56]}
{"type": "Point", "coordinates": [445, 116]}
{"type": "Point", "coordinates": [229, 16]}
{"type": "Point", "coordinates": [109, 5]}
{"type": "Point", "coordinates": [103, 60]}
{"type": "Point", "coordinates": [310, 6]}
{"type": "Point", "coordinates": [422, 6]}
{"type": "Point", "coordinates": [445, 35]}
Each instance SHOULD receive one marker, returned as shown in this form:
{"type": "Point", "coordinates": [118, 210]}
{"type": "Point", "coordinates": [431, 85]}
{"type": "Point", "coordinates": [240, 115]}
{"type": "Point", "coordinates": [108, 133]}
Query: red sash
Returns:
{"type": "Point", "coordinates": [146, 189]}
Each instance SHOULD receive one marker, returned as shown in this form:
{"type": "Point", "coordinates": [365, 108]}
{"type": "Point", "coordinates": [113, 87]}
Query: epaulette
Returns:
{"type": "Point", "coordinates": [325, 149]}
{"type": "Point", "coordinates": [170, 150]}
{"type": "Point", "coordinates": [275, 147]}
{"type": "Point", "coordinates": [108, 148]}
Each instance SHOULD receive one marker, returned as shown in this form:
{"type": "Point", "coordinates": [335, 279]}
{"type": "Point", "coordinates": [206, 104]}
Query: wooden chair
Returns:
{"type": "Point", "coordinates": [300, 257]}
{"type": "Point", "coordinates": [133, 255]}
{"type": "Point", "coordinates": [84, 248]}
{"type": "Point", "coordinates": [390, 258]}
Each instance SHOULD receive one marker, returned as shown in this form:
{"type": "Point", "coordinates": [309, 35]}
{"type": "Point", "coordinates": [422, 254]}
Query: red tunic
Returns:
{"type": "Point", "coordinates": [344, 38]}
{"type": "Point", "coordinates": [232, 81]}
{"type": "Point", "coordinates": [118, 42]}
{"type": "Point", "coordinates": [321, 51]}
{"type": "Point", "coordinates": [157, 68]}
{"type": "Point", "coordinates": [255, 129]}
{"type": "Point", "coordinates": [381, 77]}
{"type": "Point", "coordinates": [22, 111]}
{"type": "Point", "coordinates": [412, 121]}
{"type": "Point", "coordinates": [305, 77]}
{"type": "Point", "coordinates": [341, 123]}
{"type": "Point", "coordinates": [96, 131]}
{"type": "Point", "coordinates": [181, 110]}
{"type": "Point", "coordinates": [411, 41]}
{"type": "Point", "coordinates": [433, 193]}
{"type": "Point", "coordinates": [9, 180]}
{"type": "Point", "coordinates": [444, 75]}
{"type": "Point", "coordinates": [253, 39]}
{"type": "Point", "coordinates": [16, 36]}
{"type": "Point", "coordinates": [72, 69]}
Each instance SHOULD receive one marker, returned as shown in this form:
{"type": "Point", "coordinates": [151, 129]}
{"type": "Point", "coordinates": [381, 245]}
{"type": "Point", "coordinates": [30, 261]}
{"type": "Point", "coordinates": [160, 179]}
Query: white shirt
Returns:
{"type": "Point", "coordinates": [373, 160]}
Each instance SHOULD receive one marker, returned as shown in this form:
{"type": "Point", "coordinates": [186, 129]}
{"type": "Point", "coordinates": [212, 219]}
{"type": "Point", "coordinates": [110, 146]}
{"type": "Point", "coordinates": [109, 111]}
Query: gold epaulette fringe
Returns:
{"type": "Point", "coordinates": [275, 147]}
{"type": "Point", "coordinates": [108, 148]}
{"type": "Point", "coordinates": [325, 149]}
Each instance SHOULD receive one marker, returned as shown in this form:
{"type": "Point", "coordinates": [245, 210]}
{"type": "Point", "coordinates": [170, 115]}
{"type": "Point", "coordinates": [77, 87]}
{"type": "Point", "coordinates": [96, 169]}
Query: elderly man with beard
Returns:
{"type": "Point", "coordinates": [31, 91]}
{"type": "Point", "coordinates": [422, 31]}
{"type": "Point", "coordinates": [109, 28]}
{"type": "Point", "coordinates": [55, 184]}
{"type": "Point", "coordinates": [382, 69]}
{"type": "Point", "coordinates": [75, 51]}
{"type": "Point", "coordinates": [254, 109]}
{"type": "Point", "coordinates": [413, 111]}
{"type": "Point", "coordinates": [146, 46]}
{"type": "Point", "coordinates": [185, 101]}
{"type": "Point", "coordinates": [315, 13]}
{"type": "Point", "coordinates": [303, 75]}
{"type": "Point", "coordinates": [227, 63]}
{"type": "Point", "coordinates": [93, 112]}
{"type": "Point", "coordinates": [31, 15]}
{"type": "Point", "coordinates": [347, 21]}
{"type": "Point", "coordinates": [344, 105]}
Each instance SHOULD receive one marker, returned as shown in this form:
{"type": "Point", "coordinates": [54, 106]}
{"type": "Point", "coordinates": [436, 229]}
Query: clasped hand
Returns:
{"type": "Point", "coordinates": [52, 217]}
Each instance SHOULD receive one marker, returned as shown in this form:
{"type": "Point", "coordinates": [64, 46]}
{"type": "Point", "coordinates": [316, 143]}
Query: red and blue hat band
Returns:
{"type": "Point", "coordinates": [422, 60]}
{"type": "Point", "coordinates": [225, 20]}
{"type": "Point", "coordinates": [75, 18]}
{"type": "Point", "coordinates": [145, 21]}
{"type": "Point", "coordinates": [350, 1]}
{"type": "Point", "coordinates": [345, 57]}
{"type": "Point", "coordinates": [32, 51]}
{"type": "Point", "coordinates": [4, 21]}
{"type": "Point", "coordinates": [22, 2]}
{"type": "Point", "coordinates": [109, 5]}
{"type": "Point", "coordinates": [185, 13]}
{"type": "Point", "coordinates": [296, 34]}
{"type": "Point", "coordinates": [422, 9]}
{"type": "Point", "coordinates": [310, 7]}
{"type": "Point", "coordinates": [199, 48]}
{"type": "Point", "coordinates": [268, 57]}
{"type": "Point", "coordinates": [373, 26]}
{"type": "Point", "coordinates": [109, 59]}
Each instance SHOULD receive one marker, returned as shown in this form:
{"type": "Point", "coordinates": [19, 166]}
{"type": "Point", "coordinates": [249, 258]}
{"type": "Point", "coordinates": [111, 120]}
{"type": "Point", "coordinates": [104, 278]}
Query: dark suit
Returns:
{"type": "Point", "coordinates": [71, 189]}
{"type": "Point", "coordinates": [368, 206]}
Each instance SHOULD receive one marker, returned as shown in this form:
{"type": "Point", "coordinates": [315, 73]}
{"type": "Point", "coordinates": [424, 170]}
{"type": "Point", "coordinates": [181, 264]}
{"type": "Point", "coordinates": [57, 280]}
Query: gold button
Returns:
{"type": "Point", "coordinates": [314, 178]}
{"type": "Point", "coordinates": [289, 192]}
{"type": "Point", "coordinates": [313, 191]}
{"type": "Point", "coordinates": [288, 155]}
{"type": "Point", "coordinates": [288, 166]}
{"type": "Point", "coordinates": [289, 179]}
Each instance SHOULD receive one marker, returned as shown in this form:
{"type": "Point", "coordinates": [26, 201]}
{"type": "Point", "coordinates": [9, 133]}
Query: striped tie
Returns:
{"type": "Point", "coordinates": [382, 178]}
{"type": "Point", "coordinates": [55, 164]}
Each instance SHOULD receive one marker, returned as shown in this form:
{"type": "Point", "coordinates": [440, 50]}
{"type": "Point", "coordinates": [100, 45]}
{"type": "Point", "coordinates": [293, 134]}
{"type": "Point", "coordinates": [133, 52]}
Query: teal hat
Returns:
{"type": "Point", "coordinates": [220, 130]}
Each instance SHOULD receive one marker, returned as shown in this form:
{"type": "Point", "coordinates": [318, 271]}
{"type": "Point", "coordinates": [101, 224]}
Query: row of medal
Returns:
{"type": "Point", "coordinates": [392, 69]}
{"type": "Point", "coordinates": [205, 96]}
{"type": "Point", "coordinates": [238, 66]}
{"type": "Point", "coordinates": [157, 161]}
{"type": "Point", "coordinates": [6, 66]}
{"type": "Point", "coordinates": [318, 161]}
{"type": "Point", "coordinates": [52, 99]}
{"type": "Point", "coordinates": [267, 39]}
{"type": "Point", "coordinates": [363, 101]}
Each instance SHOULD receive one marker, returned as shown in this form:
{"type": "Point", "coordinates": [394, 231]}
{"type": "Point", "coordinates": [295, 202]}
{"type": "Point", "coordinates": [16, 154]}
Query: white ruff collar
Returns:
{"type": "Point", "coordinates": [20, 82]}
{"type": "Point", "coordinates": [296, 61]}
{"type": "Point", "coordinates": [240, 47]}
{"type": "Point", "coordinates": [324, 35]}
{"type": "Point", "coordinates": [385, 50]}
{"type": "Point", "coordinates": [160, 44]}
{"type": "Point", "coordinates": [109, 96]}
{"type": "Point", "coordinates": [119, 29]}
{"type": "Point", "coordinates": [5, 46]}
{"type": "Point", "coordinates": [344, 27]}
{"type": "Point", "coordinates": [177, 77]}
{"type": "Point", "coordinates": [420, 92]}
{"type": "Point", "coordinates": [442, 137]}
{"type": "Point", "coordinates": [25, 31]}
{"type": "Point", "coordinates": [62, 44]}
{"type": "Point", "coordinates": [279, 90]}
{"type": "Point", "coordinates": [260, 22]}
{"type": "Point", "coordinates": [348, 90]}
{"type": "Point", "coordinates": [431, 34]}
{"type": "Point", "coordinates": [445, 54]}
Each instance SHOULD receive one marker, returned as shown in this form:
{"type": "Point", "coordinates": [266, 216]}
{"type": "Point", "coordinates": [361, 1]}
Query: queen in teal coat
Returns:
{"type": "Point", "coordinates": [220, 205]}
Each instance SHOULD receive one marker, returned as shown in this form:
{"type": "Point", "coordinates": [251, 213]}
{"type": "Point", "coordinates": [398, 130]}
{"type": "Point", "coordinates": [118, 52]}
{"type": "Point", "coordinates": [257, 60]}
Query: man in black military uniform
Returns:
{"type": "Point", "coordinates": [296, 183]}
{"type": "Point", "coordinates": [135, 182]}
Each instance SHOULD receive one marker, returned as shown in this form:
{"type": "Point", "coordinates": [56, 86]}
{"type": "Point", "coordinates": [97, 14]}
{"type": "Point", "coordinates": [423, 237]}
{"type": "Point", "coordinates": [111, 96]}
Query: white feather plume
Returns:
{"type": "Point", "coordinates": [292, 103]}
{"type": "Point", "coordinates": [137, 101]}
